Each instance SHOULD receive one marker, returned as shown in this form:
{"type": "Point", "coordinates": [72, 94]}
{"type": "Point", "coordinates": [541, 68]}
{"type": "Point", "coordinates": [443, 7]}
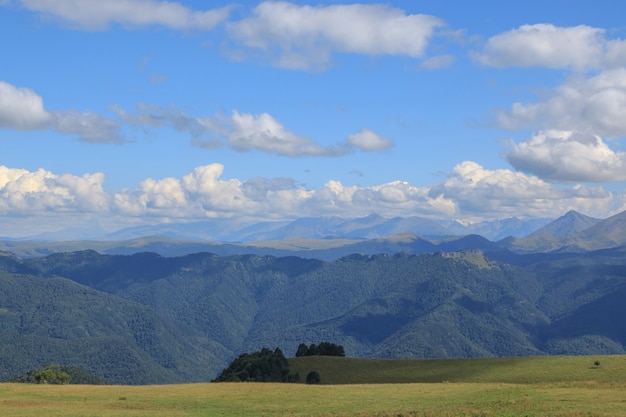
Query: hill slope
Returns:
{"type": "Point", "coordinates": [57, 320]}
{"type": "Point", "coordinates": [518, 370]}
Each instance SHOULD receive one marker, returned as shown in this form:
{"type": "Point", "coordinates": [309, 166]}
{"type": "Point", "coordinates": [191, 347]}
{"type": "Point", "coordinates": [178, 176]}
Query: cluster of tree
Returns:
{"type": "Point", "coordinates": [49, 374]}
{"type": "Point", "coordinates": [323, 349]}
{"type": "Point", "coordinates": [262, 366]}
{"type": "Point", "coordinates": [59, 374]}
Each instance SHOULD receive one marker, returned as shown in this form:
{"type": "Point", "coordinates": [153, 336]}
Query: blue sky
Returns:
{"type": "Point", "coordinates": [127, 112]}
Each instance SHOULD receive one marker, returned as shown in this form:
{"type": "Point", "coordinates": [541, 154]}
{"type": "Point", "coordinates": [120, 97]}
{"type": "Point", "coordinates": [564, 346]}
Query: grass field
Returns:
{"type": "Point", "coordinates": [563, 386]}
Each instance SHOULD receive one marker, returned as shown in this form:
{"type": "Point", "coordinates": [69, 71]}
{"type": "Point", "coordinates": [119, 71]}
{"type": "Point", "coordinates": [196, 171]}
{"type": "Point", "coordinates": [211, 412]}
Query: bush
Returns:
{"type": "Point", "coordinates": [313, 378]}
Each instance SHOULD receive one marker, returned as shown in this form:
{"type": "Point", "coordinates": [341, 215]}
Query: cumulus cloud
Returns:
{"type": "Point", "coordinates": [546, 45]}
{"type": "Point", "coordinates": [96, 14]}
{"type": "Point", "coordinates": [260, 188]}
{"type": "Point", "coordinates": [23, 109]}
{"type": "Point", "coordinates": [367, 140]}
{"type": "Point", "coordinates": [468, 192]}
{"type": "Point", "coordinates": [304, 37]}
{"type": "Point", "coordinates": [264, 133]}
{"type": "Point", "coordinates": [479, 194]}
{"type": "Point", "coordinates": [594, 104]}
{"type": "Point", "coordinates": [24, 193]}
{"type": "Point", "coordinates": [568, 156]}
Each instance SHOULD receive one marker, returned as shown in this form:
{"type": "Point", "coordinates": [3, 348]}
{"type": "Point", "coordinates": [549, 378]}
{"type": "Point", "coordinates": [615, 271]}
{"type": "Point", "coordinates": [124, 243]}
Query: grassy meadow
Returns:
{"type": "Point", "coordinates": [516, 370]}
{"type": "Point", "coordinates": [564, 386]}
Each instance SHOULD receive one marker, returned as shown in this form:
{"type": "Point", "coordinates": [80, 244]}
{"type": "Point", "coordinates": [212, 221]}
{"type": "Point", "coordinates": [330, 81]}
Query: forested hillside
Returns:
{"type": "Point", "coordinates": [149, 319]}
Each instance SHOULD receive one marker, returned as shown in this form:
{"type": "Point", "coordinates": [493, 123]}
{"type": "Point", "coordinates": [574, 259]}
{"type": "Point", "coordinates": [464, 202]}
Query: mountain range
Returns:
{"type": "Point", "coordinates": [329, 227]}
{"type": "Point", "coordinates": [138, 317]}
{"type": "Point", "coordinates": [329, 238]}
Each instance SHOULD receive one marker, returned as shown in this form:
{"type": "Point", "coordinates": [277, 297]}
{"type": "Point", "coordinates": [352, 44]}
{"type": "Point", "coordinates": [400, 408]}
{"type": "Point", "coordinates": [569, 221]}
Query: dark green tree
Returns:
{"type": "Point", "coordinates": [324, 349]}
{"type": "Point", "coordinates": [52, 374]}
{"type": "Point", "coordinates": [313, 378]}
{"type": "Point", "coordinates": [303, 350]}
{"type": "Point", "coordinates": [262, 366]}
{"type": "Point", "coordinates": [330, 349]}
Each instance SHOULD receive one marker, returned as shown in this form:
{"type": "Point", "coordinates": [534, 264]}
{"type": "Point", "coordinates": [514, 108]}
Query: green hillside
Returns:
{"type": "Point", "coordinates": [145, 318]}
{"type": "Point", "coordinates": [57, 320]}
{"type": "Point", "coordinates": [515, 370]}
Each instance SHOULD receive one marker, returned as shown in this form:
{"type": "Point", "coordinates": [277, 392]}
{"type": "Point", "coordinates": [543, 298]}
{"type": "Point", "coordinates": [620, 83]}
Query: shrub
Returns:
{"type": "Point", "coordinates": [313, 378]}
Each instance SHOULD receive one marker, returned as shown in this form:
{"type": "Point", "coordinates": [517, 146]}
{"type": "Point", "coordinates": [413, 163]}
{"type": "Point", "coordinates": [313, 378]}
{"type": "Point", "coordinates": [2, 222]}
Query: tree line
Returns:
{"type": "Point", "coordinates": [323, 349]}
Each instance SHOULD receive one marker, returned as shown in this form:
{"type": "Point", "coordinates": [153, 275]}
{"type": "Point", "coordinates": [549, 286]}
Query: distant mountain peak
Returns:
{"type": "Point", "coordinates": [569, 223]}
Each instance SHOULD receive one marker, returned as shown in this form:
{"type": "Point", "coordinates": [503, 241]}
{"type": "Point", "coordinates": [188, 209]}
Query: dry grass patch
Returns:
{"type": "Point", "coordinates": [368, 400]}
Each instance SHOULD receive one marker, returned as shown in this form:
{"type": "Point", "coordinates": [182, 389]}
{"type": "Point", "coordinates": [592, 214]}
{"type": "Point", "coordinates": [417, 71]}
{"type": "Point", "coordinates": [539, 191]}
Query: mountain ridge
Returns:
{"type": "Point", "coordinates": [568, 237]}
{"type": "Point", "coordinates": [182, 318]}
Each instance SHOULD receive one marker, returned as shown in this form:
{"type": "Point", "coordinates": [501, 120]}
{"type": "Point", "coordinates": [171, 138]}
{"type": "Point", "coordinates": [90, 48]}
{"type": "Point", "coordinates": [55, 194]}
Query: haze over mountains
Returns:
{"type": "Point", "coordinates": [330, 227]}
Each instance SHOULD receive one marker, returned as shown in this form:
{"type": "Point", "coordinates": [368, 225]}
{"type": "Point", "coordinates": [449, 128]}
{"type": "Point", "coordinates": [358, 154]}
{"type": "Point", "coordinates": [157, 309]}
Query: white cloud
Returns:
{"type": "Point", "coordinates": [24, 193]}
{"type": "Point", "coordinates": [23, 109]}
{"type": "Point", "coordinates": [259, 188]}
{"type": "Point", "coordinates": [568, 156]}
{"type": "Point", "coordinates": [90, 127]}
{"type": "Point", "coordinates": [303, 37]}
{"type": "Point", "coordinates": [546, 45]}
{"type": "Point", "coordinates": [97, 14]}
{"type": "Point", "coordinates": [596, 105]}
{"type": "Point", "coordinates": [248, 132]}
{"type": "Point", "coordinates": [437, 62]}
{"type": "Point", "coordinates": [264, 133]}
{"type": "Point", "coordinates": [367, 140]}
{"type": "Point", "coordinates": [468, 192]}
{"type": "Point", "coordinates": [479, 194]}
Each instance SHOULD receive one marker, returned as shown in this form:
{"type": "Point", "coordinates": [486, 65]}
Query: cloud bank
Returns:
{"type": "Point", "coordinates": [468, 192]}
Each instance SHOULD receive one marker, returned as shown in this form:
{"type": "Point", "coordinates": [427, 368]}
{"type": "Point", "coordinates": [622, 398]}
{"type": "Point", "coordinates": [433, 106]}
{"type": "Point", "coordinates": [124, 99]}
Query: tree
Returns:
{"type": "Point", "coordinates": [52, 374]}
{"type": "Point", "coordinates": [303, 350]}
{"type": "Point", "coordinates": [64, 378]}
{"type": "Point", "coordinates": [45, 376]}
{"type": "Point", "coordinates": [330, 349]}
{"type": "Point", "coordinates": [313, 378]}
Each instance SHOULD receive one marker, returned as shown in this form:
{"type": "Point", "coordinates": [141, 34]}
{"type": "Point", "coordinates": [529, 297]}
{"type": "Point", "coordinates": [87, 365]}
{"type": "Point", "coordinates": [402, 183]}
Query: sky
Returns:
{"type": "Point", "coordinates": [125, 112]}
